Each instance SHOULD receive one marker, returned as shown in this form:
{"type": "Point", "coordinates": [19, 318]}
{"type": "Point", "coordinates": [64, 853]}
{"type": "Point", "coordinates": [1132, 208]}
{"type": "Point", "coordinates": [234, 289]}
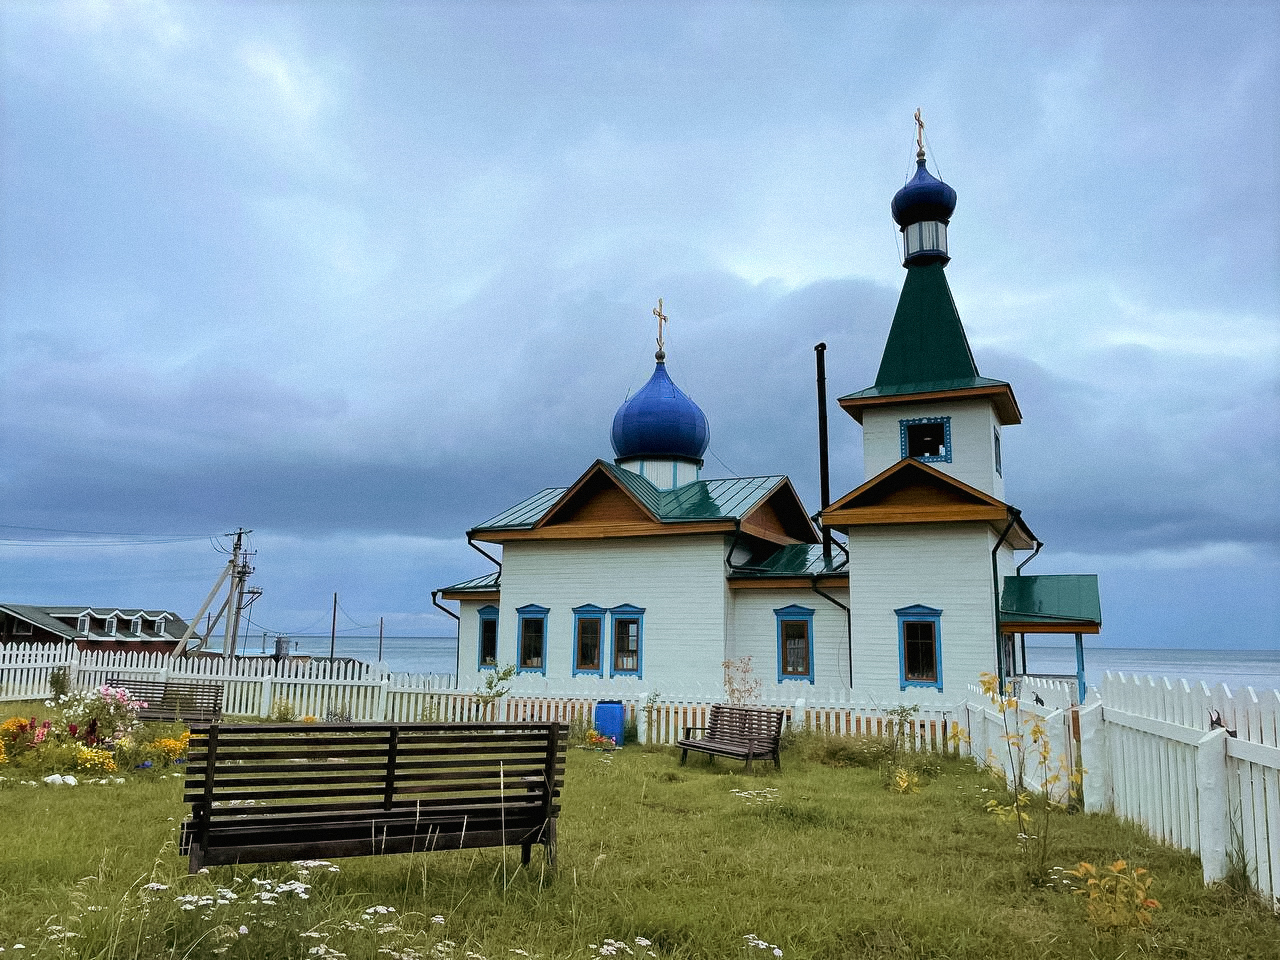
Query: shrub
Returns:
{"type": "Point", "coordinates": [1119, 895]}
{"type": "Point", "coordinates": [59, 682]}
{"type": "Point", "coordinates": [281, 711]}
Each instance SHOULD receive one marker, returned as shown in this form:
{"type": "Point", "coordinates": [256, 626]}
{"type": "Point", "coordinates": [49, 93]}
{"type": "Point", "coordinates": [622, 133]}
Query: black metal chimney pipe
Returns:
{"type": "Point", "coordinates": [824, 470]}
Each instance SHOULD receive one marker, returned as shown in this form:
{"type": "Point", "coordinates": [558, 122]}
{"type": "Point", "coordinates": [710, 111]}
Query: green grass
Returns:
{"type": "Point", "coordinates": [822, 862]}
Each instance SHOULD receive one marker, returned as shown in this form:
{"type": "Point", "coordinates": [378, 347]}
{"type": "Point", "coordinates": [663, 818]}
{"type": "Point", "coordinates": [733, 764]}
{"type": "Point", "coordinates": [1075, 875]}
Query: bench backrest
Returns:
{"type": "Point", "coordinates": [321, 769]}
{"type": "Point", "coordinates": [744, 725]}
{"type": "Point", "coordinates": [175, 699]}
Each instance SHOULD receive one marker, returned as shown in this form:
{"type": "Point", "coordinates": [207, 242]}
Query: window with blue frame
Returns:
{"type": "Point", "coordinates": [628, 636]}
{"type": "Point", "coordinates": [919, 646]}
{"type": "Point", "coordinates": [531, 639]}
{"type": "Point", "coordinates": [487, 656]}
{"type": "Point", "coordinates": [588, 631]}
{"type": "Point", "coordinates": [927, 439]}
{"type": "Point", "coordinates": [795, 643]}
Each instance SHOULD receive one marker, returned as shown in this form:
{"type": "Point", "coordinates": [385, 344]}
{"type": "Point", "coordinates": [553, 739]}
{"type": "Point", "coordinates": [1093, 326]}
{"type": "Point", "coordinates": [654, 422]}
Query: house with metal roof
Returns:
{"type": "Point", "coordinates": [92, 628]}
{"type": "Point", "coordinates": [641, 575]}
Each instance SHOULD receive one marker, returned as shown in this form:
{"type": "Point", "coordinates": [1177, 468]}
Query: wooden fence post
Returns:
{"type": "Point", "coordinates": [264, 696]}
{"type": "Point", "coordinates": [1213, 804]}
{"type": "Point", "coordinates": [1094, 759]}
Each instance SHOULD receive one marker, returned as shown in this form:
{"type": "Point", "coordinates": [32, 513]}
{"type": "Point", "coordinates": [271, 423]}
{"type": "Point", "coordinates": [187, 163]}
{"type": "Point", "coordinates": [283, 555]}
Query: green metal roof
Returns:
{"type": "Point", "coordinates": [927, 349]}
{"type": "Point", "coordinates": [1067, 598]}
{"type": "Point", "coordinates": [525, 513]}
{"type": "Point", "coordinates": [796, 560]}
{"type": "Point", "coordinates": [486, 584]}
{"type": "Point", "coordinates": [726, 499]}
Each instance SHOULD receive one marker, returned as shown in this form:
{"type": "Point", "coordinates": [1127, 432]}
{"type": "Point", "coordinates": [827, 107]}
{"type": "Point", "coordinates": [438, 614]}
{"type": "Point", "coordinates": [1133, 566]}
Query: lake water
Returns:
{"type": "Point", "coordinates": [1236, 668]}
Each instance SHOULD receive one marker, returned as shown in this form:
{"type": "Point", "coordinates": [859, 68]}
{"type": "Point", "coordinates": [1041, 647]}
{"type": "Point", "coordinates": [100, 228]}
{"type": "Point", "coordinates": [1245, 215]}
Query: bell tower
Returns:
{"type": "Point", "coordinates": [929, 402]}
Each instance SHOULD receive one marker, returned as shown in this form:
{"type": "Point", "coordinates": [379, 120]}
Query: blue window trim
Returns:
{"type": "Point", "coordinates": [531, 611]}
{"type": "Point", "coordinates": [946, 438]}
{"type": "Point", "coordinates": [487, 612]}
{"type": "Point", "coordinates": [588, 611]}
{"type": "Point", "coordinates": [626, 612]}
{"type": "Point", "coordinates": [794, 612]}
{"type": "Point", "coordinates": [917, 613]}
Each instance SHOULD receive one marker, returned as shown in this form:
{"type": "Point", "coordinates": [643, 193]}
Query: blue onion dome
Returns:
{"type": "Point", "coordinates": [660, 422]}
{"type": "Point", "coordinates": [925, 197]}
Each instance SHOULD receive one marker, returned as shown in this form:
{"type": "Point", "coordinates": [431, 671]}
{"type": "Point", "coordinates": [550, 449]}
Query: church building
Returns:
{"type": "Point", "coordinates": [641, 575]}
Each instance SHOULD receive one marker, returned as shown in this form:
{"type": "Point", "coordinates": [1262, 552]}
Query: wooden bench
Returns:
{"type": "Point", "coordinates": [743, 733]}
{"type": "Point", "coordinates": [185, 700]}
{"type": "Point", "coordinates": [293, 791]}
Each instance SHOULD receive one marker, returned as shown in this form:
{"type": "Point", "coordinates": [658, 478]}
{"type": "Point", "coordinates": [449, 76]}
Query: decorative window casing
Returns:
{"type": "Point", "coordinates": [795, 643]}
{"type": "Point", "coordinates": [919, 646]}
{"type": "Point", "coordinates": [588, 640]}
{"type": "Point", "coordinates": [135, 625]}
{"type": "Point", "coordinates": [82, 624]}
{"type": "Point", "coordinates": [626, 627]}
{"type": "Point", "coordinates": [927, 439]}
{"type": "Point", "coordinates": [995, 432]}
{"type": "Point", "coordinates": [111, 626]}
{"type": "Point", "coordinates": [487, 648]}
{"type": "Point", "coordinates": [161, 626]}
{"type": "Point", "coordinates": [531, 639]}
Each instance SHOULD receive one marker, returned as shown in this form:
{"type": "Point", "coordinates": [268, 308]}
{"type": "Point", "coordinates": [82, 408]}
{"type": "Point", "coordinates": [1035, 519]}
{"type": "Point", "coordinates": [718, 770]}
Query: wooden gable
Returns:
{"type": "Point", "coordinates": [596, 498]}
{"type": "Point", "coordinates": [780, 518]}
{"type": "Point", "coordinates": [914, 492]}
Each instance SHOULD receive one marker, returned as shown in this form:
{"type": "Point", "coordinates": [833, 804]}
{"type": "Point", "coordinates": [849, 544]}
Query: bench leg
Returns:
{"type": "Point", "coordinates": [684, 755]}
{"type": "Point", "coordinates": [551, 843]}
{"type": "Point", "coordinates": [748, 763]}
{"type": "Point", "coordinates": [526, 850]}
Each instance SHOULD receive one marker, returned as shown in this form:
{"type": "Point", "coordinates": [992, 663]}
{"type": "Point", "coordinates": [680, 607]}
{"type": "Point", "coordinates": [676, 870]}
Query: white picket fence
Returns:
{"type": "Point", "coordinates": [1150, 755]}
{"type": "Point", "coordinates": [357, 691]}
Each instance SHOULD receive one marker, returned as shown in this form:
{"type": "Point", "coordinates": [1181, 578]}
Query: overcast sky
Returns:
{"type": "Point", "coordinates": [360, 275]}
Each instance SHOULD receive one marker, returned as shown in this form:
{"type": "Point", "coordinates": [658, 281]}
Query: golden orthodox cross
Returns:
{"type": "Point", "coordinates": [662, 318]}
{"type": "Point", "coordinates": [919, 132]}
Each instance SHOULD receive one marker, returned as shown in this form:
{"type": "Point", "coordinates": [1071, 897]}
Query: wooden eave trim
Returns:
{"type": "Point", "coordinates": [1008, 412]}
{"type": "Point", "coordinates": [865, 516]}
{"type": "Point", "coordinates": [491, 596]}
{"type": "Point", "coordinates": [607, 531]}
{"type": "Point", "coordinates": [595, 468]}
{"type": "Point", "coordinates": [1039, 626]}
{"type": "Point", "coordinates": [789, 582]}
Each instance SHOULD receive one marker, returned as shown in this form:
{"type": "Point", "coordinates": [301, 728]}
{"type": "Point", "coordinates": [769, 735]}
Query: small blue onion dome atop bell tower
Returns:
{"type": "Point", "coordinates": [660, 422]}
{"type": "Point", "coordinates": [922, 209]}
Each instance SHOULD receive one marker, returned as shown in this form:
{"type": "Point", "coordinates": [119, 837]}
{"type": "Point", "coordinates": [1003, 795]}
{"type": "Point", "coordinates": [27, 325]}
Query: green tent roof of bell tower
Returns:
{"type": "Point", "coordinates": [927, 351]}
{"type": "Point", "coordinates": [926, 342]}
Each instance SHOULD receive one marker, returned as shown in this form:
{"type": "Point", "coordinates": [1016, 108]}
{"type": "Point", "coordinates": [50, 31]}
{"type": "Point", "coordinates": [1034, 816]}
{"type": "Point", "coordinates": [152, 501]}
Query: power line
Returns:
{"type": "Point", "coordinates": [92, 538]}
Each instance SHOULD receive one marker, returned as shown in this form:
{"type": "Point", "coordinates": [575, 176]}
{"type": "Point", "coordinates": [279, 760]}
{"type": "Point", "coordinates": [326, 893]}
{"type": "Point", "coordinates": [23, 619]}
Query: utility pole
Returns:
{"type": "Point", "coordinates": [240, 571]}
{"type": "Point", "coordinates": [333, 630]}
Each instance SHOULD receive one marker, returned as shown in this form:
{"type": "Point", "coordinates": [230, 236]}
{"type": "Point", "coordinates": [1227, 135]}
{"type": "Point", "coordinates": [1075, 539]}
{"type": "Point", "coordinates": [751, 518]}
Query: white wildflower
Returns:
{"type": "Point", "coordinates": [437, 919]}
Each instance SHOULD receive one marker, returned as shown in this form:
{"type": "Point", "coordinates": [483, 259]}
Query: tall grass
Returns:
{"type": "Point", "coordinates": [819, 861]}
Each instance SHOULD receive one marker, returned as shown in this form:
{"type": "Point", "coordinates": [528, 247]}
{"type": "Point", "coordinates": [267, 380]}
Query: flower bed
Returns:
{"type": "Point", "coordinates": [94, 732]}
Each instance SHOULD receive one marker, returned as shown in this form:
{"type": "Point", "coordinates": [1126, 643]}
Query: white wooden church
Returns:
{"type": "Point", "coordinates": [642, 576]}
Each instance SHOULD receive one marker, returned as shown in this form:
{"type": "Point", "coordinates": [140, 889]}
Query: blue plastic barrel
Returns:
{"type": "Point", "coordinates": [608, 719]}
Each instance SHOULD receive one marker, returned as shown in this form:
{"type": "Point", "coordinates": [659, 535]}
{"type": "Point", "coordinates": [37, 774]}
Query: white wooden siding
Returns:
{"type": "Point", "coordinates": [973, 456]}
{"type": "Point", "coordinates": [944, 566]}
{"type": "Point", "coordinates": [678, 581]}
{"type": "Point", "coordinates": [754, 633]}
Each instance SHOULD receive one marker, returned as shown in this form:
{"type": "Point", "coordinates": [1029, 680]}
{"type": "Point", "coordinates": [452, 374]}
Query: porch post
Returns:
{"type": "Point", "coordinates": [1080, 685]}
